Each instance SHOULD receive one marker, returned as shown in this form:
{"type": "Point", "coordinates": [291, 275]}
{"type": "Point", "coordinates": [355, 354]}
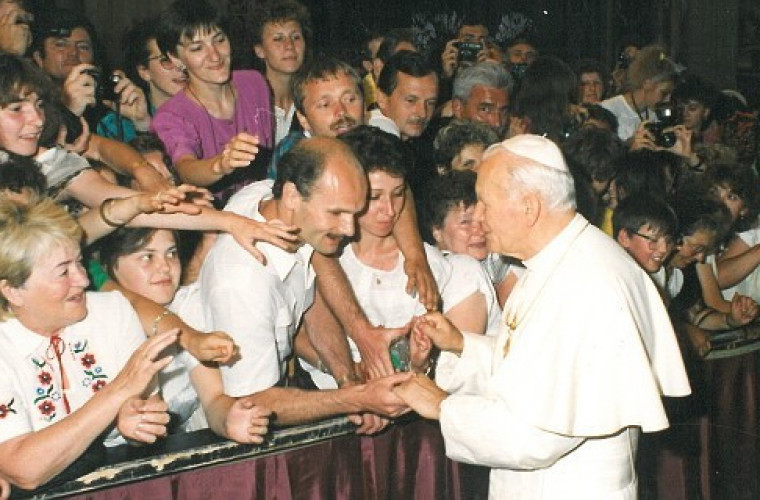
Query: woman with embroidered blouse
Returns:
{"type": "Point", "coordinates": [71, 363]}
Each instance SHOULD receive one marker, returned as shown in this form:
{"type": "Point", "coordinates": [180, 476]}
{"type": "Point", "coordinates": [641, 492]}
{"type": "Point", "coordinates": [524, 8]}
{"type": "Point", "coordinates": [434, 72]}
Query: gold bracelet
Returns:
{"type": "Point", "coordinates": [106, 207]}
{"type": "Point", "coordinates": [164, 313]}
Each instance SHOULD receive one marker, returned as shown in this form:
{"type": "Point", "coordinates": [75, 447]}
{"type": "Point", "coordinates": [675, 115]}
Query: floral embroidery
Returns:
{"type": "Point", "coordinates": [95, 379]}
{"type": "Point", "coordinates": [88, 360]}
{"type": "Point", "coordinates": [47, 408]}
{"type": "Point", "coordinates": [45, 378]}
{"type": "Point", "coordinates": [6, 409]}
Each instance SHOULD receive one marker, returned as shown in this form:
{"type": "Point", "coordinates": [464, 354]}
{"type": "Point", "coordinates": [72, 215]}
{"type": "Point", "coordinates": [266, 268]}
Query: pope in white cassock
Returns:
{"type": "Point", "coordinates": [556, 401]}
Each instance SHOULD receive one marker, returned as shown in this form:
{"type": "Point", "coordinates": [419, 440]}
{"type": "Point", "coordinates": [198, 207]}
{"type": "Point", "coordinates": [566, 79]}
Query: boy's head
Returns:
{"type": "Point", "coordinates": [646, 227]}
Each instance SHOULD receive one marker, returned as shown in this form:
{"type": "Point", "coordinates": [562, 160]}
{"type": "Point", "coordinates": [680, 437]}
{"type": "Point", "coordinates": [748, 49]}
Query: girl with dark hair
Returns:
{"type": "Point", "coordinates": [222, 121]}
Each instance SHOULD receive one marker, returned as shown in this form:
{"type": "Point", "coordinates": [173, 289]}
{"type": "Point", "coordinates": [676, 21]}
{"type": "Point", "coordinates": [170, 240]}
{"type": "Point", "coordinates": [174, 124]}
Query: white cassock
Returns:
{"type": "Point", "coordinates": [590, 354]}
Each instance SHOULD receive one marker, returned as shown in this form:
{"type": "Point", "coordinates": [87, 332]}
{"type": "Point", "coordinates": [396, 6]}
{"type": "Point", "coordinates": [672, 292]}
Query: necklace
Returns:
{"type": "Point", "coordinates": [645, 117]}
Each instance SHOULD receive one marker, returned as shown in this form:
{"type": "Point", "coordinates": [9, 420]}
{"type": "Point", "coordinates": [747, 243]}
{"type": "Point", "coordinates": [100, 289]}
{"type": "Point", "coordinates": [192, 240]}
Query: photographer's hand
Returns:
{"type": "Point", "coordinates": [79, 89]}
{"type": "Point", "coordinates": [643, 138]}
{"type": "Point", "coordinates": [15, 35]}
{"type": "Point", "coordinates": [450, 58]}
{"type": "Point", "coordinates": [683, 146]}
{"type": "Point", "coordinates": [133, 103]}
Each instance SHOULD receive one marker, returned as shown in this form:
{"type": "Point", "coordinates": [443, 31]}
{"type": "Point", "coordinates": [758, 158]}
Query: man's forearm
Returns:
{"type": "Point", "coordinates": [329, 340]}
{"type": "Point", "coordinates": [406, 232]}
{"type": "Point", "coordinates": [296, 406]}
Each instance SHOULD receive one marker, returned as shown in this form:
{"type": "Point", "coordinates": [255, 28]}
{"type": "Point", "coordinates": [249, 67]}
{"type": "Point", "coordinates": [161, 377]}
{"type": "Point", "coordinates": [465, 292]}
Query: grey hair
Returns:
{"type": "Point", "coordinates": [555, 187]}
{"type": "Point", "coordinates": [488, 74]}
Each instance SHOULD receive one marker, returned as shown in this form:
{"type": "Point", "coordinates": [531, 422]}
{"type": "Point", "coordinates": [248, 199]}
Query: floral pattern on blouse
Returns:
{"type": "Point", "coordinates": [7, 408]}
{"type": "Point", "coordinates": [95, 378]}
{"type": "Point", "coordinates": [48, 393]}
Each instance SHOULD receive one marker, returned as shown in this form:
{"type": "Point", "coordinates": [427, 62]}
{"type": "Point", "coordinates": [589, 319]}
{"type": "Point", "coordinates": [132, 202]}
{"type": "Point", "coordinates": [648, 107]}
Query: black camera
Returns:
{"type": "Point", "coordinates": [105, 85]}
{"type": "Point", "coordinates": [517, 70]}
{"type": "Point", "coordinates": [667, 117]}
{"type": "Point", "coordinates": [468, 51]}
{"type": "Point", "coordinates": [623, 60]}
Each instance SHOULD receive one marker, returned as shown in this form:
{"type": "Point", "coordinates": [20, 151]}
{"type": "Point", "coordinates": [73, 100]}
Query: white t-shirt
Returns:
{"type": "Point", "coordinates": [750, 285]}
{"type": "Point", "coordinates": [176, 387]}
{"type": "Point", "coordinates": [259, 306]}
{"type": "Point", "coordinates": [382, 296]}
{"type": "Point", "coordinates": [467, 270]}
{"type": "Point", "coordinates": [628, 119]}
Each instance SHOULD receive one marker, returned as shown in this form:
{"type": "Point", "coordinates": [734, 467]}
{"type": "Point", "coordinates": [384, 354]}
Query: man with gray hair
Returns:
{"type": "Point", "coordinates": [481, 93]}
{"type": "Point", "coordinates": [555, 402]}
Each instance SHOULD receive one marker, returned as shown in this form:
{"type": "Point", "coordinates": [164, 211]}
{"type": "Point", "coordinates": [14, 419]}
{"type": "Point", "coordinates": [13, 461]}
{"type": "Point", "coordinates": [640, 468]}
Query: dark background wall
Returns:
{"type": "Point", "coordinates": [719, 40]}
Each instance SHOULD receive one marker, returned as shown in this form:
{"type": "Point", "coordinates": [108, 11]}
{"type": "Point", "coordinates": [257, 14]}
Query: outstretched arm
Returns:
{"type": "Point", "coordinates": [339, 296]}
{"type": "Point", "coordinates": [420, 278]}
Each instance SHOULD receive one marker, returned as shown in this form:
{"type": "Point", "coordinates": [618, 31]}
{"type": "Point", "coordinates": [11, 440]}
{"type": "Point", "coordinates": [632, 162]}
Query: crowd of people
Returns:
{"type": "Point", "coordinates": [184, 245]}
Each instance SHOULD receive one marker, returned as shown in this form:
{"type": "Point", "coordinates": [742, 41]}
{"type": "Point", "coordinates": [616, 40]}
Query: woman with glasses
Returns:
{"type": "Point", "coordinates": [703, 223]}
{"type": "Point", "coordinates": [217, 129]}
{"type": "Point", "coordinates": [156, 74]}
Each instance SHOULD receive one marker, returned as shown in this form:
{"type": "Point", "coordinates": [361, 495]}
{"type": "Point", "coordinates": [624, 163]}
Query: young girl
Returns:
{"type": "Point", "coordinates": [145, 262]}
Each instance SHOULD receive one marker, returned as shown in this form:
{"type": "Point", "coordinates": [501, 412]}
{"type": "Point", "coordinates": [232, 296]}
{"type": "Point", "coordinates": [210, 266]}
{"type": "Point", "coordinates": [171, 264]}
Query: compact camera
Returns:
{"type": "Point", "coordinates": [623, 60]}
{"type": "Point", "coordinates": [105, 85]}
{"type": "Point", "coordinates": [667, 117]}
{"type": "Point", "coordinates": [468, 51]}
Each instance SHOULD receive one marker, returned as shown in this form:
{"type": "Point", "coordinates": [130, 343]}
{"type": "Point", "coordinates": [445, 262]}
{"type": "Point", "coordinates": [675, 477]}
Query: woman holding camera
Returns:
{"type": "Point", "coordinates": [651, 79]}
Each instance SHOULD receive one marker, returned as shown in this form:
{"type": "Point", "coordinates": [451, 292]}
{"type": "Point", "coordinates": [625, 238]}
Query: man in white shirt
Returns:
{"type": "Point", "coordinates": [554, 403]}
{"type": "Point", "coordinates": [320, 187]}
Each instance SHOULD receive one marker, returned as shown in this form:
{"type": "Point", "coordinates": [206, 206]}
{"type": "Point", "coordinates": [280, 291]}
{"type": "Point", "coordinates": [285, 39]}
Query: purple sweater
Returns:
{"type": "Point", "coordinates": [188, 129]}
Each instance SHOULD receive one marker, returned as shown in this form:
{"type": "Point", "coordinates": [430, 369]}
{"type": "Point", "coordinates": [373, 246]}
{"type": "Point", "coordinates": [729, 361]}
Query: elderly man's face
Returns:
{"type": "Point", "coordinates": [332, 106]}
{"type": "Point", "coordinates": [486, 105]}
{"type": "Point", "coordinates": [412, 103]}
{"type": "Point", "coordinates": [328, 216]}
{"type": "Point", "coordinates": [500, 215]}
{"type": "Point", "coordinates": [62, 53]}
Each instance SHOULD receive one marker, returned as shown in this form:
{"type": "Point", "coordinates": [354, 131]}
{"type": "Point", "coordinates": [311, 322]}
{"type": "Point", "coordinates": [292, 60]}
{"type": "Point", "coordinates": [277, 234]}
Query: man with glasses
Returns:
{"type": "Point", "coordinates": [65, 47]}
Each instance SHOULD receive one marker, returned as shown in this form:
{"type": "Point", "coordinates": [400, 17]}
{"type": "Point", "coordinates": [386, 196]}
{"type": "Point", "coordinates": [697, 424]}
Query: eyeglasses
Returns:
{"type": "Point", "coordinates": [695, 247]}
{"type": "Point", "coordinates": [653, 241]}
{"type": "Point", "coordinates": [165, 62]}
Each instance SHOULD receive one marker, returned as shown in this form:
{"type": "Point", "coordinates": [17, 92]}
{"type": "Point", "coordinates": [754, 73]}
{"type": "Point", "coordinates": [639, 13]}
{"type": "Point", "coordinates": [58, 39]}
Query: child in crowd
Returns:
{"type": "Point", "coordinates": [145, 262]}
